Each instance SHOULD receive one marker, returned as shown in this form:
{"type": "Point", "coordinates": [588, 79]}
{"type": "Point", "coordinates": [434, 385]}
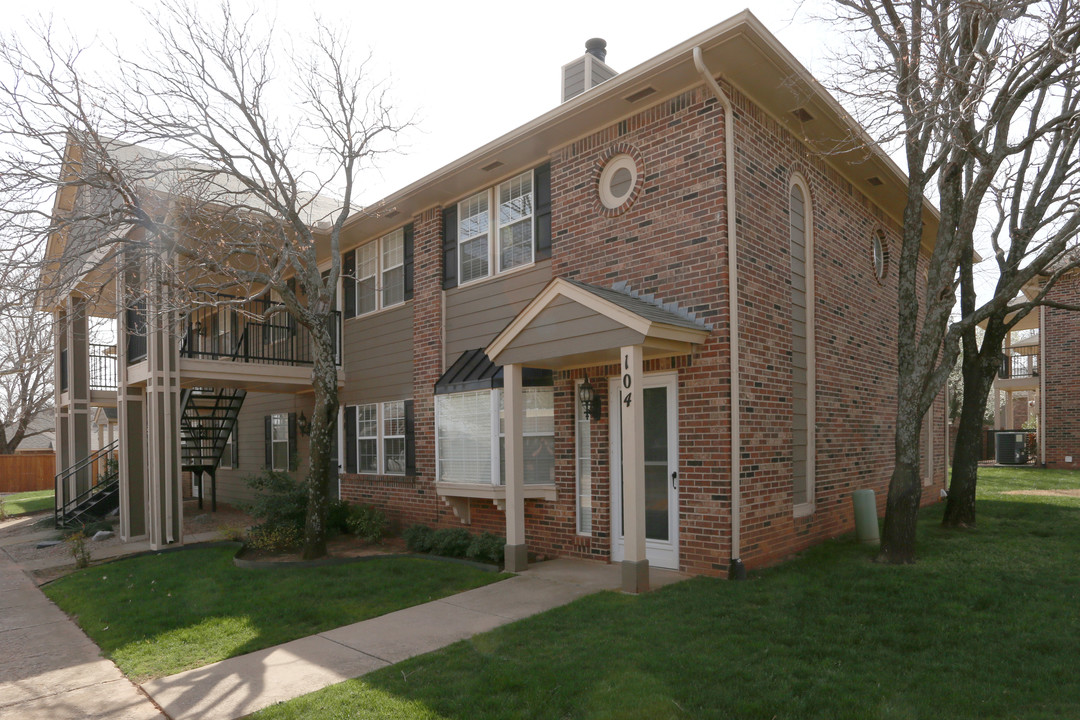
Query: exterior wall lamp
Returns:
{"type": "Point", "coordinates": [303, 424]}
{"type": "Point", "coordinates": [590, 402]}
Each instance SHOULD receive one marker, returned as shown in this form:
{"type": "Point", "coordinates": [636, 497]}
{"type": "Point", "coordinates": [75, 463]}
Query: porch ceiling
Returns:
{"type": "Point", "coordinates": [571, 324]}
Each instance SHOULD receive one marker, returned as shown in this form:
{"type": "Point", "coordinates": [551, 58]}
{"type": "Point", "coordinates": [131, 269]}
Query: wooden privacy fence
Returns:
{"type": "Point", "coordinates": [22, 473]}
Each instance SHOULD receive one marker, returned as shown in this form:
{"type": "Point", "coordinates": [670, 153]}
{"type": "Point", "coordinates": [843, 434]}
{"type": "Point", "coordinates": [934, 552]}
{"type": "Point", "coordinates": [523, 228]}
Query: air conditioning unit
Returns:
{"type": "Point", "coordinates": [1010, 448]}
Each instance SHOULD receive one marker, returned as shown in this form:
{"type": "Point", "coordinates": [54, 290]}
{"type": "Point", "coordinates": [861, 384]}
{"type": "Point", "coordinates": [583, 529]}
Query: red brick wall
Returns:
{"type": "Point", "coordinates": [672, 243]}
{"type": "Point", "coordinates": [1062, 370]}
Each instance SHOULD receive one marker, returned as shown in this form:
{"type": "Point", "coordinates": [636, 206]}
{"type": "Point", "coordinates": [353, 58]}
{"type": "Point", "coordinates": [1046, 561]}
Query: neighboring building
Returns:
{"type": "Point", "coordinates": [1039, 381]}
{"type": "Point", "coordinates": [42, 441]}
{"type": "Point", "coordinates": [606, 264]}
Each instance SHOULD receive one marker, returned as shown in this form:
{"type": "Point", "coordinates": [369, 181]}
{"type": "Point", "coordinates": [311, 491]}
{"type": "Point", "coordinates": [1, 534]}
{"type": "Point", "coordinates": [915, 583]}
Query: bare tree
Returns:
{"type": "Point", "coordinates": [954, 84]}
{"type": "Point", "coordinates": [220, 158]}
{"type": "Point", "coordinates": [1036, 201]}
{"type": "Point", "coordinates": [26, 370]}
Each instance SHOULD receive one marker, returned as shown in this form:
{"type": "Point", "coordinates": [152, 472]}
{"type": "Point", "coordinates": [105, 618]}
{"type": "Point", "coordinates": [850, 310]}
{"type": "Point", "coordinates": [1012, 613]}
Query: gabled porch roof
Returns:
{"type": "Point", "coordinates": [572, 324]}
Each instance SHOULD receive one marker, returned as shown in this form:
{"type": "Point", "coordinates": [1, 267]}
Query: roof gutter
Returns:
{"type": "Point", "coordinates": [737, 570]}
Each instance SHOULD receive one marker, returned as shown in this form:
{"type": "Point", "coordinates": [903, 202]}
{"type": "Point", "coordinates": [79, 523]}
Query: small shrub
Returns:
{"type": "Point", "coordinates": [451, 542]}
{"type": "Point", "coordinates": [80, 549]}
{"type": "Point", "coordinates": [3, 511]}
{"type": "Point", "coordinates": [274, 538]}
{"type": "Point", "coordinates": [367, 522]}
{"type": "Point", "coordinates": [337, 517]}
{"type": "Point", "coordinates": [89, 529]}
{"type": "Point", "coordinates": [487, 548]}
{"type": "Point", "coordinates": [419, 538]}
{"type": "Point", "coordinates": [280, 500]}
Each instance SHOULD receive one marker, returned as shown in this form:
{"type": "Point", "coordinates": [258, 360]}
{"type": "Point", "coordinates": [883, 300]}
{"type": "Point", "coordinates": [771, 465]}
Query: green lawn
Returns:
{"type": "Point", "coordinates": [159, 614]}
{"type": "Point", "coordinates": [985, 625]}
{"type": "Point", "coordinates": [28, 502]}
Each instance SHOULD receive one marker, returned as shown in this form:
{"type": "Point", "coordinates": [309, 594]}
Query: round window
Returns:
{"type": "Point", "coordinates": [881, 255]}
{"type": "Point", "coordinates": [617, 181]}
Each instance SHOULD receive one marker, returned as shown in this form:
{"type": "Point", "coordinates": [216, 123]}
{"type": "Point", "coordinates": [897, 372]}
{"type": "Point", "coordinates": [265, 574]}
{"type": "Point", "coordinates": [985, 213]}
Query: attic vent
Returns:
{"type": "Point", "coordinates": [587, 71]}
{"type": "Point", "coordinates": [802, 114]}
{"type": "Point", "coordinates": [392, 213]}
{"type": "Point", "coordinates": [875, 181]}
{"type": "Point", "coordinates": [642, 93]}
{"type": "Point", "coordinates": [492, 166]}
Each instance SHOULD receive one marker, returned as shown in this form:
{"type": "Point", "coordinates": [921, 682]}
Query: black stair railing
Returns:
{"type": "Point", "coordinates": [68, 502]}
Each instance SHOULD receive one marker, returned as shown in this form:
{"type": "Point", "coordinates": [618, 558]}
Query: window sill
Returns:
{"type": "Point", "coordinates": [804, 510]}
{"type": "Point", "coordinates": [380, 311]}
{"type": "Point", "coordinates": [495, 493]}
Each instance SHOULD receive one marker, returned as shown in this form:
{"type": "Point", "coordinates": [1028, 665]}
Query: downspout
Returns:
{"type": "Point", "coordinates": [737, 571]}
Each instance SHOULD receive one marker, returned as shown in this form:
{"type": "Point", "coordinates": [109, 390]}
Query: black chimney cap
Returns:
{"type": "Point", "coordinates": [597, 47]}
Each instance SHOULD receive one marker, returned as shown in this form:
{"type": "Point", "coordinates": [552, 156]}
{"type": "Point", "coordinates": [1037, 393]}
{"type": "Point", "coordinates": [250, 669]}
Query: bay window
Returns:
{"type": "Point", "coordinates": [470, 442]}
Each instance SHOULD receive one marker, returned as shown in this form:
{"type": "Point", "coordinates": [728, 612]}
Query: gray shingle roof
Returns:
{"type": "Point", "coordinates": [647, 306]}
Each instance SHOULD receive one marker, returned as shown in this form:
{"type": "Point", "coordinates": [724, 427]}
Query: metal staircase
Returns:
{"type": "Point", "coordinates": [102, 494]}
{"type": "Point", "coordinates": [207, 419]}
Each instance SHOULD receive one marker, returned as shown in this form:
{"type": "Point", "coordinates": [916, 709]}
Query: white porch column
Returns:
{"type": "Point", "coordinates": [516, 555]}
{"type": "Point", "coordinates": [999, 418]}
{"type": "Point", "coordinates": [635, 567]}
{"type": "Point", "coordinates": [1010, 416]}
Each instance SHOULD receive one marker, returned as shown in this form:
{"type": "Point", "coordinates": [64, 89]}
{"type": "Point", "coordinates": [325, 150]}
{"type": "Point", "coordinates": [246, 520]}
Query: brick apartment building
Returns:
{"type": "Point", "coordinates": [626, 217]}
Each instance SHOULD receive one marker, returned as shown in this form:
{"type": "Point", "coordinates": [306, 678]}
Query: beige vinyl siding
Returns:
{"type": "Point", "coordinates": [477, 312]}
{"type": "Point", "coordinates": [567, 328]}
{"type": "Point", "coordinates": [378, 356]}
{"type": "Point", "coordinates": [251, 443]}
{"type": "Point", "coordinates": [799, 440]}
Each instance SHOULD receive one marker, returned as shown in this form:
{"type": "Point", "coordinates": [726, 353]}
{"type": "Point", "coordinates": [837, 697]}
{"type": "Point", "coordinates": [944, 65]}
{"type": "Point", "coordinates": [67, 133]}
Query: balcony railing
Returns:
{"type": "Point", "coordinates": [1019, 362]}
{"type": "Point", "coordinates": [254, 331]}
{"type": "Point", "coordinates": [102, 367]}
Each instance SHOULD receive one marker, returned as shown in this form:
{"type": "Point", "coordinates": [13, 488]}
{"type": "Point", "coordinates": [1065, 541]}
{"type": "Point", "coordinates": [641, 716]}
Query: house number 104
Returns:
{"type": "Point", "coordinates": [627, 381]}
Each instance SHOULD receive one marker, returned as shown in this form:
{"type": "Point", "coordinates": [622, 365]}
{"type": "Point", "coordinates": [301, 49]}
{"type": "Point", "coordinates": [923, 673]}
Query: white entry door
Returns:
{"type": "Point", "coordinates": [661, 471]}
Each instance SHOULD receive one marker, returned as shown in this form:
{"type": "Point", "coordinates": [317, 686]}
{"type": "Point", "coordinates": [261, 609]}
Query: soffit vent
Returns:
{"type": "Point", "coordinates": [491, 166]}
{"type": "Point", "coordinates": [640, 94]}
{"type": "Point", "coordinates": [875, 181]}
{"type": "Point", "coordinates": [802, 114]}
{"type": "Point", "coordinates": [587, 71]}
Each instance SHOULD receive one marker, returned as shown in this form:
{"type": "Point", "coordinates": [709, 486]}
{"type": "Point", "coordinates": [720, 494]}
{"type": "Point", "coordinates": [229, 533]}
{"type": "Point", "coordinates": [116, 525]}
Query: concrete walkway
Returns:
{"type": "Point", "coordinates": [49, 669]}
{"type": "Point", "coordinates": [241, 685]}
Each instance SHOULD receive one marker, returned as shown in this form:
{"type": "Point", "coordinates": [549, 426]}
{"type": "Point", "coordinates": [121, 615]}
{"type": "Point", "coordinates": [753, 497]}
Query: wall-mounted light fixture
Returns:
{"type": "Point", "coordinates": [303, 424]}
{"type": "Point", "coordinates": [590, 402]}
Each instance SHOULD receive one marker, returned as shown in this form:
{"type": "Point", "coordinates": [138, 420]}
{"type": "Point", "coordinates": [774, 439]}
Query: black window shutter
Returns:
{"type": "Point", "coordinates": [410, 439]}
{"type": "Point", "coordinates": [449, 247]}
{"type": "Point", "coordinates": [292, 441]}
{"type": "Point", "coordinates": [350, 438]}
{"type": "Point", "coordinates": [542, 187]}
{"type": "Point", "coordinates": [408, 261]}
{"type": "Point", "coordinates": [348, 282]}
{"type": "Point", "coordinates": [269, 446]}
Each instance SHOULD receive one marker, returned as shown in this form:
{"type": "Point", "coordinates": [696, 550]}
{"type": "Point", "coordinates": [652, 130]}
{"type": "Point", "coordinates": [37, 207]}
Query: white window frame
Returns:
{"type": "Point", "coordinates": [279, 421]}
{"type": "Point", "coordinates": [385, 436]}
{"type": "Point", "coordinates": [378, 247]}
{"type": "Point", "coordinates": [369, 438]}
{"type": "Point", "coordinates": [231, 445]}
{"type": "Point", "coordinates": [380, 437]}
{"type": "Point", "coordinates": [494, 229]}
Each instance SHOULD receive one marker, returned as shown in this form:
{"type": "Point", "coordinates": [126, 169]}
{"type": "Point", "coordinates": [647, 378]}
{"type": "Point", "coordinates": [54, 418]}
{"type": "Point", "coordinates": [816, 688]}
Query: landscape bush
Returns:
{"type": "Point", "coordinates": [455, 542]}
{"type": "Point", "coordinates": [366, 522]}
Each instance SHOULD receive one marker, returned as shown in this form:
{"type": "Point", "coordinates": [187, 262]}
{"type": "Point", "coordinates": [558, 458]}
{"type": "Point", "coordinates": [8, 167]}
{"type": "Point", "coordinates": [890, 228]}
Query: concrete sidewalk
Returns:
{"type": "Point", "coordinates": [241, 685]}
{"type": "Point", "coordinates": [49, 669]}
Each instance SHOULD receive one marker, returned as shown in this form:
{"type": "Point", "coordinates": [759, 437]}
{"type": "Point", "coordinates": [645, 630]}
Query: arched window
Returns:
{"type": "Point", "coordinates": [800, 225]}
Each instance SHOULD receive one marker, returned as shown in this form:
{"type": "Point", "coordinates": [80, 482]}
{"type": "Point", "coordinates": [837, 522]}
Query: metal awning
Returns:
{"type": "Point", "coordinates": [474, 370]}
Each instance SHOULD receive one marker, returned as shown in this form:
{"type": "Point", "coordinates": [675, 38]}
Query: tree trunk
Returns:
{"type": "Point", "coordinates": [323, 427]}
{"type": "Point", "coordinates": [978, 382]}
{"type": "Point", "coordinates": [905, 491]}
{"type": "Point", "coordinates": [960, 505]}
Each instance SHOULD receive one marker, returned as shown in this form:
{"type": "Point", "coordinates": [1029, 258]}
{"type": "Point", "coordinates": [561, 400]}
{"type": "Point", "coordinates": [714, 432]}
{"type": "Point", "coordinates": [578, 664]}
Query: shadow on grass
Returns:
{"type": "Point", "coordinates": [985, 625]}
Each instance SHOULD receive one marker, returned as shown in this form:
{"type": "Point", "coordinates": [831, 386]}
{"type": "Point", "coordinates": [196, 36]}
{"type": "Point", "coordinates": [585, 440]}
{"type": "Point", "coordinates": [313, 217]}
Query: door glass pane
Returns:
{"type": "Point", "coordinates": [656, 464]}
